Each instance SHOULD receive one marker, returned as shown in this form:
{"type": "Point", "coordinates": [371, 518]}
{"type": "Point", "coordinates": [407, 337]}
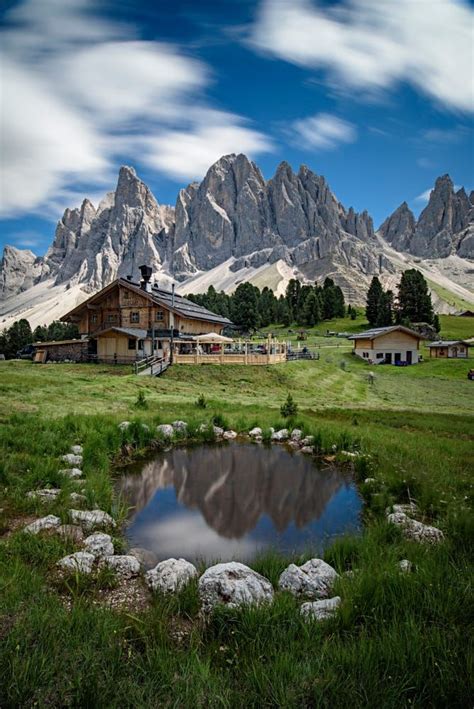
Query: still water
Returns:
{"type": "Point", "coordinates": [236, 500]}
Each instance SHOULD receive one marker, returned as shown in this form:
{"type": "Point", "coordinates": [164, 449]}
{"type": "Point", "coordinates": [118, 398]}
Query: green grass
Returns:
{"type": "Point", "coordinates": [398, 640]}
{"type": "Point", "coordinates": [449, 297]}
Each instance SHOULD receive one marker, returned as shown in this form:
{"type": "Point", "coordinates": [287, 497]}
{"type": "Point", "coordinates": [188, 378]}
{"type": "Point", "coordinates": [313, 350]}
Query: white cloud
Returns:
{"type": "Point", "coordinates": [188, 153]}
{"type": "Point", "coordinates": [324, 131]}
{"type": "Point", "coordinates": [372, 45]}
{"type": "Point", "coordinates": [78, 90]}
{"type": "Point", "coordinates": [424, 196]}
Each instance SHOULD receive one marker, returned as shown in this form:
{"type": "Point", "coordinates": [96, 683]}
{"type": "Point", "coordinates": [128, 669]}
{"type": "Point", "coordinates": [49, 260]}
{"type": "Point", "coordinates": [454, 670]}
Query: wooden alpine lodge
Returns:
{"type": "Point", "coordinates": [141, 324]}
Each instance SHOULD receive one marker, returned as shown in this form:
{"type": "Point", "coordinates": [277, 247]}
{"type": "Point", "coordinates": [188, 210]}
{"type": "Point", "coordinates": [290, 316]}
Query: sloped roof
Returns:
{"type": "Point", "coordinates": [449, 343]}
{"type": "Point", "coordinates": [137, 332]}
{"type": "Point", "coordinates": [379, 331]}
{"type": "Point", "coordinates": [181, 306]}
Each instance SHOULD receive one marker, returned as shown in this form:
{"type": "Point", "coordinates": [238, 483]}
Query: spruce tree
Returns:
{"type": "Point", "coordinates": [373, 298]}
{"type": "Point", "coordinates": [385, 309]}
{"type": "Point", "coordinates": [414, 299]}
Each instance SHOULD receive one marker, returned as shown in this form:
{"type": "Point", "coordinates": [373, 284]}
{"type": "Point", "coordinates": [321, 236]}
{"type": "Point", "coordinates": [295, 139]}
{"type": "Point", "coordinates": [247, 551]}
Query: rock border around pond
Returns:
{"type": "Point", "coordinates": [228, 584]}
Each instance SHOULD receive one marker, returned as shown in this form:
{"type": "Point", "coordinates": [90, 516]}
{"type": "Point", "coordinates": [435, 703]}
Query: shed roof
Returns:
{"type": "Point", "coordinates": [137, 332]}
{"type": "Point", "coordinates": [379, 331]}
{"type": "Point", "coordinates": [449, 343]}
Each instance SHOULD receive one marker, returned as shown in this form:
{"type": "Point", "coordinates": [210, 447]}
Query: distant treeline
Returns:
{"type": "Point", "coordinates": [251, 308]}
{"type": "Point", "coordinates": [20, 334]}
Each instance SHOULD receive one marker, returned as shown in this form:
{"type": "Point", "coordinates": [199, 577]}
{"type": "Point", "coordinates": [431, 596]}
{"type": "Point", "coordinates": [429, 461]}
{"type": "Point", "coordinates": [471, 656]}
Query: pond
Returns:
{"type": "Point", "coordinates": [236, 500]}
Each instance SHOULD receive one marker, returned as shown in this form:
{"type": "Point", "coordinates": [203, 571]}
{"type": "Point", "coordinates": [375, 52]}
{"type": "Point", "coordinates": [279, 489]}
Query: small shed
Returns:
{"type": "Point", "coordinates": [395, 344]}
{"type": "Point", "coordinates": [61, 350]}
{"type": "Point", "coordinates": [449, 349]}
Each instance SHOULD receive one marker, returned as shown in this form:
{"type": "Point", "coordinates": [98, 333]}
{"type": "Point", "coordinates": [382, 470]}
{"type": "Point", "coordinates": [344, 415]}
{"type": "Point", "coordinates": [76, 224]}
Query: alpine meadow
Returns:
{"type": "Point", "coordinates": [236, 410]}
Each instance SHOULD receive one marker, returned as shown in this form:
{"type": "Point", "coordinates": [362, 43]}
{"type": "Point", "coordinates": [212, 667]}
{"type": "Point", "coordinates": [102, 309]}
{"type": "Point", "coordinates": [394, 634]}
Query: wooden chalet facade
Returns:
{"type": "Point", "coordinates": [394, 344]}
{"type": "Point", "coordinates": [128, 321]}
{"type": "Point", "coordinates": [449, 349]}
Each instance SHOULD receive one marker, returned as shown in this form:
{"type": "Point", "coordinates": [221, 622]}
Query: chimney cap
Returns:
{"type": "Point", "coordinates": [129, 277]}
{"type": "Point", "coordinates": [146, 272]}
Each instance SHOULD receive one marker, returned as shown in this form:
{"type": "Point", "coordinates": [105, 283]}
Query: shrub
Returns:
{"type": "Point", "coordinates": [201, 402]}
{"type": "Point", "coordinates": [141, 402]}
{"type": "Point", "coordinates": [289, 408]}
{"type": "Point", "coordinates": [219, 420]}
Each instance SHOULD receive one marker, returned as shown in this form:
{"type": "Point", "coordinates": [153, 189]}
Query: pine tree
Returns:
{"type": "Point", "coordinates": [373, 298]}
{"type": "Point", "coordinates": [385, 309]}
{"type": "Point", "coordinates": [414, 299]}
{"type": "Point", "coordinates": [245, 307]}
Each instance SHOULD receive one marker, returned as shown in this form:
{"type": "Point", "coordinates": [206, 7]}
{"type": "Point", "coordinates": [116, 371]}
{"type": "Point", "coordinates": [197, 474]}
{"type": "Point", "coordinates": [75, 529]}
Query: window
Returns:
{"type": "Point", "coordinates": [380, 355]}
{"type": "Point", "coordinates": [141, 344]}
{"type": "Point", "coordinates": [94, 318]}
{"type": "Point", "coordinates": [126, 295]}
{"type": "Point", "coordinates": [131, 344]}
{"type": "Point", "coordinates": [365, 354]}
{"type": "Point", "coordinates": [159, 315]}
{"type": "Point", "coordinates": [111, 317]}
{"type": "Point", "coordinates": [135, 317]}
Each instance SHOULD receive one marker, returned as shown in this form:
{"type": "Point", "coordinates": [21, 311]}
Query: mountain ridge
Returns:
{"type": "Point", "coordinates": [236, 220]}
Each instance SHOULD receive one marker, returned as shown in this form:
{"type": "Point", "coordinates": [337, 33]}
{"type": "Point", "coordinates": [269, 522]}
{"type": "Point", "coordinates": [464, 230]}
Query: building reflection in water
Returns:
{"type": "Point", "coordinates": [235, 500]}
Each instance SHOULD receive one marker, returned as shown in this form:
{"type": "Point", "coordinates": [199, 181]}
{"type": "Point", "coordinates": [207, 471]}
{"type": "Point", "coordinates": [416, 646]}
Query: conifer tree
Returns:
{"type": "Point", "coordinates": [414, 299]}
{"type": "Point", "coordinates": [373, 298]}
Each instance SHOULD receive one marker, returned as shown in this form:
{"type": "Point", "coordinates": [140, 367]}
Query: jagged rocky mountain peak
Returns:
{"type": "Point", "coordinates": [234, 218]}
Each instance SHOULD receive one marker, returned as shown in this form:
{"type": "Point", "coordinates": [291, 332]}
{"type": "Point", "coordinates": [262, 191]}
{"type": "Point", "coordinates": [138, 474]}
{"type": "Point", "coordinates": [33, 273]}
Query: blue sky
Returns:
{"type": "Point", "coordinates": [376, 96]}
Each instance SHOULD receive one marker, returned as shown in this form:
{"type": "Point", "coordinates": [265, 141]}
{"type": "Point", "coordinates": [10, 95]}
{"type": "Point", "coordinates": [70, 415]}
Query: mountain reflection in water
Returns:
{"type": "Point", "coordinates": [234, 500]}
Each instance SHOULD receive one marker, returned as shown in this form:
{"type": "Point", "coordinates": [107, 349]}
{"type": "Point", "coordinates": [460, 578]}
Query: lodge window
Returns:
{"type": "Point", "coordinates": [365, 354]}
{"type": "Point", "coordinates": [94, 318]}
{"type": "Point", "coordinates": [461, 349]}
{"type": "Point", "coordinates": [141, 344]}
{"type": "Point", "coordinates": [111, 317]}
{"type": "Point", "coordinates": [126, 295]}
{"type": "Point", "coordinates": [131, 343]}
{"type": "Point", "coordinates": [159, 315]}
{"type": "Point", "coordinates": [380, 355]}
{"type": "Point", "coordinates": [135, 317]}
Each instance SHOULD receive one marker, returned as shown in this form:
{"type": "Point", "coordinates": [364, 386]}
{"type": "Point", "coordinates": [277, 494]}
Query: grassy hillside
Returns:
{"type": "Point", "coordinates": [399, 639]}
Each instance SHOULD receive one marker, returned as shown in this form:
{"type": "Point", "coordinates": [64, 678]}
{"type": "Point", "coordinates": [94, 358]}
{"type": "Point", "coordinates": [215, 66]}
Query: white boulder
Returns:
{"type": "Point", "coordinates": [320, 610]}
{"type": "Point", "coordinates": [80, 562]}
{"type": "Point", "coordinates": [218, 431]}
{"type": "Point", "coordinates": [282, 435]}
{"type": "Point", "coordinates": [255, 432]}
{"type": "Point", "coordinates": [124, 425]}
{"type": "Point", "coordinates": [408, 508]}
{"type": "Point", "coordinates": [46, 495]}
{"type": "Point", "coordinates": [415, 530]}
{"type": "Point", "coordinates": [72, 459]}
{"type": "Point", "coordinates": [296, 434]}
{"type": "Point", "coordinates": [91, 519]}
{"type": "Point", "coordinates": [77, 450]}
{"type": "Point", "coordinates": [124, 565]}
{"type": "Point", "coordinates": [307, 441]}
{"type": "Point", "coordinates": [180, 426]}
{"type": "Point", "coordinates": [166, 430]}
{"type": "Point", "coordinates": [71, 472]}
{"type": "Point", "coordinates": [170, 575]}
{"type": "Point", "coordinates": [313, 579]}
{"type": "Point", "coordinates": [405, 566]}
{"type": "Point", "coordinates": [99, 545]}
{"type": "Point", "coordinates": [229, 435]}
{"type": "Point", "coordinates": [307, 450]}
{"type": "Point", "coordinates": [40, 525]}
{"type": "Point", "coordinates": [233, 584]}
